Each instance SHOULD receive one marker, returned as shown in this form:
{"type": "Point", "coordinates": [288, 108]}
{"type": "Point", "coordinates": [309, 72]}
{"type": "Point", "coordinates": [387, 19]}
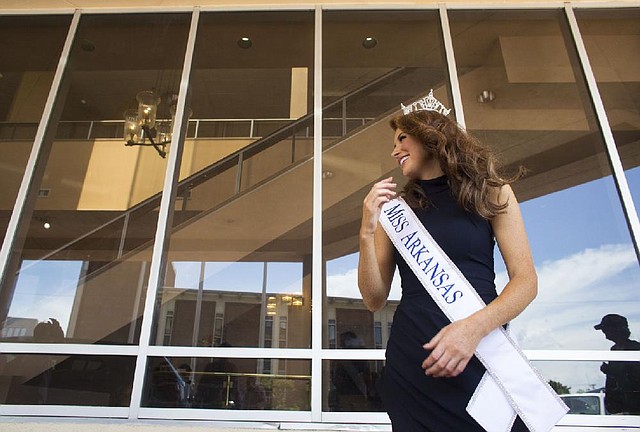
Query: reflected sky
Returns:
{"type": "Point", "coordinates": [46, 289]}
{"type": "Point", "coordinates": [578, 376]}
{"type": "Point", "coordinates": [586, 266]}
{"type": "Point", "coordinates": [282, 278]}
{"type": "Point", "coordinates": [585, 260]}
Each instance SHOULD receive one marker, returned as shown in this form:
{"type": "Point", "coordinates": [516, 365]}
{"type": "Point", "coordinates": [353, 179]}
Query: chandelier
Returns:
{"type": "Point", "coordinates": [142, 128]}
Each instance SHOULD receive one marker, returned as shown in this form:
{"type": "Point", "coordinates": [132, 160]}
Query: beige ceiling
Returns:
{"type": "Point", "coordinates": [62, 4]}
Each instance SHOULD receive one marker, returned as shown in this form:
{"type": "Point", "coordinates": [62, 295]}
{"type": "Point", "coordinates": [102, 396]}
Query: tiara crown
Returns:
{"type": "Point", "coordinates": [428, 103]}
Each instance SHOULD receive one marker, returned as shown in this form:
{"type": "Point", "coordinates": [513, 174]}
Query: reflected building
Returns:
{"type": "Point", "coordinates": [200, 252]}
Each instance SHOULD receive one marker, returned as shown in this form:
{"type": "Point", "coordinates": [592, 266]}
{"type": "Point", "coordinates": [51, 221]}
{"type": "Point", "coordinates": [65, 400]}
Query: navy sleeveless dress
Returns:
{"type": "Point", "coordinates": [416, 402]}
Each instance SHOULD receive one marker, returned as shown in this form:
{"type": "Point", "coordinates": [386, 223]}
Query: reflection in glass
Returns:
{"type": "Point", "coordinates": [228, 383]}
{"type": "Point", "coordinates": [83, 380]}
{"type": "Point", "coordinates": [24, 86]}
{"type": "Point", "coordinates": [346, 312]}
{"type": "Point", "coordinates": [82, 255]}
{"type": "Point", "coordinates": [221, 304]}
{"type": "Point", "coordinates": [585, 403]}
{"type": "Point", "coordinates": [363, 87]}
{"type": "Point", "coordinates": [612, 40]}
{"type": "Point", "coordinates": [541, 118]}
{"type": "Point", "coordinates": [351, 385]}
{"type": "Point", "coordinates": [622, 385]}
{"type": "Point", "coordinates": [582, 386]}
{"type": "Point", "coordinates": [239, 266]}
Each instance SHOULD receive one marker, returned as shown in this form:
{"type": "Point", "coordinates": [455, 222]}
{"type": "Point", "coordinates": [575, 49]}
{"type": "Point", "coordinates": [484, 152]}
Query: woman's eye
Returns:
{"type": "Point", "coordinates": [401, 137]}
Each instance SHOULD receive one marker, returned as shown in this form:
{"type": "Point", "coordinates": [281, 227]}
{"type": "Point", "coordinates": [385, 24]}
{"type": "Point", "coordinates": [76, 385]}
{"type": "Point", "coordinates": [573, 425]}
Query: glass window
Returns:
{"type": "Point", "coordinates": [372, 62]}
{"type": "Point", "coordinates": [82, 380]}
{"type": "Point", "coordinates": [240, 248]}
{"type": "Point", "coordinates": [351, 385]}
{"type": "Point", "coordinates": [227, 383]}
{"type": "Point", "coordinates": [596, 388]}
{"type": "Point", "coordinates": [612, 40]}
{"type": "Point", "coordinates": [85, 248]}
{"type": "Point", "coordinates": [524, 94]}
{"type": "Point", "coordinates": [25, 81]}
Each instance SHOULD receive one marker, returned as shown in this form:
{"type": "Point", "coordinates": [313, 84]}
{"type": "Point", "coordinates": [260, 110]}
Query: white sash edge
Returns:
{"type": "Point", "coordinates": [490, 407]}
{"type": "Point", "coordinates": [553, 412]}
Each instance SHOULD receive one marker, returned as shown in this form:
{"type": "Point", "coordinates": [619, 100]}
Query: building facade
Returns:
{"type": "Point", "coordinates": [182, 192]}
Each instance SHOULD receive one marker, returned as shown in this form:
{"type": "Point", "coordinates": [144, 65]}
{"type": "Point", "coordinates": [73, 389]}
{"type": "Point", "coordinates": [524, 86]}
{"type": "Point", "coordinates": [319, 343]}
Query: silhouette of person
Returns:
{"type": "Point", "coordinates": [48, 331]}
{"type": "Point", "coordinates": [622, 385]}
{"type": "Point", "coordinates": [218, 387]}
{"type": "Point", "coordinates": [351, 381]}
{"type": "Point", "coordinates": [253, 393]}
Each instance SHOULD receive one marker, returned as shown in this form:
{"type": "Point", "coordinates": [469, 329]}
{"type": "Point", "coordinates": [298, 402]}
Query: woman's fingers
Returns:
{"type": "Point", "coordinates": [444, 366]}
{"type": "Point", "coordinates": [380, 193]}
{"type": "Point", "coordinates": [451, 349]}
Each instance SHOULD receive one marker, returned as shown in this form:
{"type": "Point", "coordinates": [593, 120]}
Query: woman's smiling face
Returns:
{"type": "Point", "coordinates": [414, 159]}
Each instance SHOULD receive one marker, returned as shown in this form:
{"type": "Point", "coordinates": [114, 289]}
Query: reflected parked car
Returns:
{"type": "Point", "coordinates": [585, 403]}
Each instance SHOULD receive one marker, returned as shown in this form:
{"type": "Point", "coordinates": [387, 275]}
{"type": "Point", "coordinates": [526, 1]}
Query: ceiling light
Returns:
{"type": "Point", "coordinates": [140, 124]}
{"type": "Point", "coordinates": [46, 225]}
{"type": "Point", "coordinates": [369, 42]}
{"type": "Point", "coordinates": [327, 175]}
{"type": "Point", "coordinates": [486, 96]}
{"type": "Point", "coordinates": [245, 43]}
{"type": "Point", "coordinates": [297, 302]}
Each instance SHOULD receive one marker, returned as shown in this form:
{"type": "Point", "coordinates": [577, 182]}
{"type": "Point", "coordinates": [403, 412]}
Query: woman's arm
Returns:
{"type": "Point", "coordinates": [375, 265]}
{"type": "Point", "coordinates": [454, 345]}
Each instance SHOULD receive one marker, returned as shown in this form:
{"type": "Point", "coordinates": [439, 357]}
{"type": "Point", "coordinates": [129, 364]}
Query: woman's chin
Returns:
{"type": "Point", "coordinates": [407, 172]}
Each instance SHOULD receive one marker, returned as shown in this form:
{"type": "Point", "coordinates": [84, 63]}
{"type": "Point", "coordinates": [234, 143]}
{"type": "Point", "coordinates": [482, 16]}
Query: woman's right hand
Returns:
{"type": "Point", "coordinates": [382, 192]}
{"type": "Point", "coordinates": [376, 263]}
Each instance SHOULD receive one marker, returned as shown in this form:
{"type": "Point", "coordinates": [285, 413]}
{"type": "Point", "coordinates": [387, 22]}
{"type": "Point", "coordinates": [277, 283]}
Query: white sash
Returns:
{"type": "Point", "coordinates": [512, 385]}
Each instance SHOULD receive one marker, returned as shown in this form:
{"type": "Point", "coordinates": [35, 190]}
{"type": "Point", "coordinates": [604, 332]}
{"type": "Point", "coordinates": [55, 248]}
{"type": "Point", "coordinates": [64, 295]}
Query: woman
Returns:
{"type": "Point", "coordinates": [454, 189]}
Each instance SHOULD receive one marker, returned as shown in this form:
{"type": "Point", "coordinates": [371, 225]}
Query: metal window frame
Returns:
{"type": "Point", "coordinates": [165, 219]}
{"type": "Point", "coordinates": [37, 12]}
{"type": "Point", "coordinates": [36, 150]}
{"type": "Point", "coordinates": [617, 171]}
{"type": "Point", "coordinates": [452, 68]}
{"type": "Point", "coordinates": [316, 354]}
{"type": "Point", "coordinates": [317, 289]}
{"type": "Point", "coordinates": [328, 7]}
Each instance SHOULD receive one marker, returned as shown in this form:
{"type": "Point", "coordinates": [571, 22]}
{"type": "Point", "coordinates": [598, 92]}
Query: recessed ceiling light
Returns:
{"type": "Point", "coordinates": [46, 225]}
{"type": "Point", "coordinates": [369, 42]}
{"type": "Point", "coordinates": [87, 45]}
{"type": "Point", "coordinates": [244, 43]}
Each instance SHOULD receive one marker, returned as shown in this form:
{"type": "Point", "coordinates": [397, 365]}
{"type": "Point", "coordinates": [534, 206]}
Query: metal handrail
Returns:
{"type": "Point", "coordinates": [227, 162]}
{"type": "Point", "coordinates": [193, 123]}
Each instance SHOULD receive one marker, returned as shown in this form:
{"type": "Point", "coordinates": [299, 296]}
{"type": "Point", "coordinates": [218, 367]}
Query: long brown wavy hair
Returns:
{"type": "Point", "coordinates": [469, 165]}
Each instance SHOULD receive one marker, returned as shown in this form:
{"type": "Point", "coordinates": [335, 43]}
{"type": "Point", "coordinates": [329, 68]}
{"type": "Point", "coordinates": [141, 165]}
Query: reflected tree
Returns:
{"type": "Point", "coordinates": [559, 388]}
